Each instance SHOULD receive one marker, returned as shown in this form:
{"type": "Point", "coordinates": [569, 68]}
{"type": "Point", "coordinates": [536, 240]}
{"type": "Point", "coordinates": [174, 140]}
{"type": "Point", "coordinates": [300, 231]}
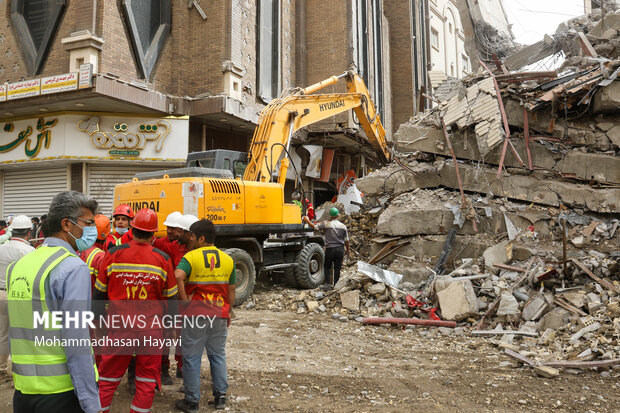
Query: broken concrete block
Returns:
{"type": "Point", "coordinates": [587, 329]}
{"type": "Point", "coordinates": [614, 135]}
{"type": "Point", "coordinates": [534, 309]}
{"type": "Point", "coordinates": [458, 301]}
{"type": "Point", "coordinates": [547, 336]}
{"type": "Point", "coordinates": [376, 289]}
{"type": "Point", "coordinates": [576, 298]}
{"type": "Point", "coordinates": [609, 34]}
{"type": "Point", "coordinates": [553, 320]}
{"type": "Point", "coordinates": [546, 371]}
{"type": "Point", "coordinates": [578, 241]}
{"type": "Point", "coordinates": [398, 311]}
{"type": "Point", "coordinates": [350, 300]}
{"type": "Point", "coordinates": [312, 305]}
{"type": "Point", "coordinates": [497, 254]}
{"type": "Point", "coordinates": [508, 305]}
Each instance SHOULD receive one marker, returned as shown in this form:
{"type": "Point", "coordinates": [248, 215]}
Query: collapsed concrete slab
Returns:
{"type": "Point", "coordinates": [396, 180]}
{"type": "Point", "coordinates": [599, 167]}
{"type": "Point", "coordinates": [427, 212]}
{"type": "Point", "coordinates": [537, 189]}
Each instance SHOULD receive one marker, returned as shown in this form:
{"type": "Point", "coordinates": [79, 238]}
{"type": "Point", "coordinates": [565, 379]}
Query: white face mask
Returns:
{"type": "Point", "coordinates": [122, 231]}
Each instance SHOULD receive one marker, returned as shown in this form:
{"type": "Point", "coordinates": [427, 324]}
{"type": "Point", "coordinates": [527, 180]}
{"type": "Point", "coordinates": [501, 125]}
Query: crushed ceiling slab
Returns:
{"type": "Point", "coordinates": [477, 107]}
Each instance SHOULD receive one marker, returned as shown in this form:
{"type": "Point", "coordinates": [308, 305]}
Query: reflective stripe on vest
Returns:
{"type": "Point", "coordinates": [89, 261]}
{"type": "Point", "coordinates": [39, 367]}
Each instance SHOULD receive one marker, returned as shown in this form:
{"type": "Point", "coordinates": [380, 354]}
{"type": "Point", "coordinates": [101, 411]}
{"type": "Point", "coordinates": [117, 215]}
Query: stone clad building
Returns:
{"type": "Point", "coordinates": [94, 91]}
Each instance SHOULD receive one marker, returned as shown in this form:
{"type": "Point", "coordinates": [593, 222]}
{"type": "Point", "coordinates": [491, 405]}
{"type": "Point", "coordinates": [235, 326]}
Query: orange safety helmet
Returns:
{"type": "Point", "coordinates": [103, 226]}
{"type": "Point", "coordinates": [145, 220]}
{"type": "Point", "coordinates": [123, 209]}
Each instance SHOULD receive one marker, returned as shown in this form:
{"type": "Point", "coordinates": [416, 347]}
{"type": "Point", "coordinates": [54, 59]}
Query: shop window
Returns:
{"type": "Point", "coordinates": [148, 22]}
{"type": "Point", "coordinates": [435, 38]}
{"type": "Point", "coordinates": [269, 53]}
{"type": "Point", "coordinates": [36, 23]}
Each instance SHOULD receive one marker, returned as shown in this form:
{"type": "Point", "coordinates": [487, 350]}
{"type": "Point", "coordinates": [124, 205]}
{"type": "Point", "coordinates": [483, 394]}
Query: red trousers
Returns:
{"type": "Point", "coordinates": [148, 376]}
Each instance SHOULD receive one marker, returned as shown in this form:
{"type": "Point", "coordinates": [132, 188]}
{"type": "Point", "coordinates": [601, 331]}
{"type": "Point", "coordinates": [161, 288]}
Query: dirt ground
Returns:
{"type": "Point", "coordinates": [284, 361]}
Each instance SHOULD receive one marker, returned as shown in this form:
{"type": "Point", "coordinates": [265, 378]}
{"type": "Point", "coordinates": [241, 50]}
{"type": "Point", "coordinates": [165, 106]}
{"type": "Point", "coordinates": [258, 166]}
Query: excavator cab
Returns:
{"type": "Point", "coordinates": [233, 161]}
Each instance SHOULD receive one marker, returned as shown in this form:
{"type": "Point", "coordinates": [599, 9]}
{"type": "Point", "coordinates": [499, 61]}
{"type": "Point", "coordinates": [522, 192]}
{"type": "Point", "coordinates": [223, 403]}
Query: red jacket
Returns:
{"type": "Point", "coordinates": [136, 271]}
{"type": "Point", "coordinates": [175, 249]}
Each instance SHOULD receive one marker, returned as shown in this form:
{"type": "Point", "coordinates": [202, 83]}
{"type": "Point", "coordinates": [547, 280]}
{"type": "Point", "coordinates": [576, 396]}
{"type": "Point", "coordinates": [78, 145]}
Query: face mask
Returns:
{"type": "Point", "coordinates": [122, 231]}
{"type": "Point", "coordinates": [88, 238]}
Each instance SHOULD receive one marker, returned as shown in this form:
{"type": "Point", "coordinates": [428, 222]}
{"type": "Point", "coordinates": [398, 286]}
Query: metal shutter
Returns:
{"type": "Point", "coordinates": [30, 191]}
{"type": "Point", "coordinates": [103, 178]}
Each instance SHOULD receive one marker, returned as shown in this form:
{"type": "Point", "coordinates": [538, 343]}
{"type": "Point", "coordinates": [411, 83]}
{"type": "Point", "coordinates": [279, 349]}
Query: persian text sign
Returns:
{"type": "Point", "coordinates": [3, 92]}
{"type": "Point", "coordinates": [24, 89]}
{"type": "Point", "coordinates": [86, 76]}
{"type": "Point", "coordinates": [59, 83]}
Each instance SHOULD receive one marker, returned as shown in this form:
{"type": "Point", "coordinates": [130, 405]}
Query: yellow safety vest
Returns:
{"type": "Point", "coordinates": [39, 365]}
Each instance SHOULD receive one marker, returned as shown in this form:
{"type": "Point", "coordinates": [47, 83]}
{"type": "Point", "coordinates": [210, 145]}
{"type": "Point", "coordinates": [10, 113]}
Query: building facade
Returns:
{"type": "Point", "coordinates": [92, 92]}
{"type": "Point", "coordinates": [447, 40]}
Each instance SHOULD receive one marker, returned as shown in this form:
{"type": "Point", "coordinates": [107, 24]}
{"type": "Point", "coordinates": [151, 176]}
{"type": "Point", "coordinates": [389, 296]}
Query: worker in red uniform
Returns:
{"type": "Point", "coordinates": [93, 256]}
{"type": "Point", "coordinates": [171, 246]}
{"type": "Point", "coordinates": [135, 273]}
{"type": "Point", "coordinates": [122, 215]}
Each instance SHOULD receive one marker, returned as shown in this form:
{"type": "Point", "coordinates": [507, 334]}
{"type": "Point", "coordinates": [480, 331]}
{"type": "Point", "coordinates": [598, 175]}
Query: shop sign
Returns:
{"type": "Point", "coordinates": [24, 89]}
{"type": "Point", "coordinates": [34, 139]}
{"type": "Point", "coordinates": [94, 136]}
{"type": "Point", "coordinates": [86, 76]}
{"type": "Point", "coordinates": [3, 92]}
{"type": "Point", "coordinates": [59, 83]}
{"type": "Point", "coordinates": [123, 139]}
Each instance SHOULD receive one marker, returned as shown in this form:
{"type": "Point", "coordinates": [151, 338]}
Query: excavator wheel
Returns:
{"type": "Point", "coordinates": [310, 260]}
{"type": "Point", "coordinates": [245, 274]}
{"type": "Point", "coordinates": [290, 277]}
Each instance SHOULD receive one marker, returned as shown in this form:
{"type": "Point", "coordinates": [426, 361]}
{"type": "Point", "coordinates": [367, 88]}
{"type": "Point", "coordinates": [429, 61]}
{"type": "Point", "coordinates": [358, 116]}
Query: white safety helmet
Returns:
{"type": "Point", "coordinates": [21, 222]}
{"type": "Point", "coordinates": [187, 221]}
{"type": "Point", "coordinates": [174, 220]}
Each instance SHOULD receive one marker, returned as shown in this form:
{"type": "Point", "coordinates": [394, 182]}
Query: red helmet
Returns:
{"type": "Point", "coordinates": [123, 209]}
{"type": "Point", "coordinates": [145, 220]}
{"type": "Point", "coordinates": [103, 226]}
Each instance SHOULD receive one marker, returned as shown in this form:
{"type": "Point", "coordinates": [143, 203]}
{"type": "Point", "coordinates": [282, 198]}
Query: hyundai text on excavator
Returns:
{"type": "Point", "coordinates": [249, 213]}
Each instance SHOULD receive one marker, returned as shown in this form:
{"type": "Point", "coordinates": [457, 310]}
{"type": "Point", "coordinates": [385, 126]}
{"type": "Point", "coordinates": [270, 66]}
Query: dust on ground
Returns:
{"type": "Point", "coordinates": [284, 361]}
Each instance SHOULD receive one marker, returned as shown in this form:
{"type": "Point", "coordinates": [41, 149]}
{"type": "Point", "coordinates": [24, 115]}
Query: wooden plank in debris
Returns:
{"type": "Point", "coordinates": [587, 231]}
{"type": "Point", "coordinates": [583, 364]}
{"type": "Point", "coordinates": [509, 267]}
{"type": "Point", "coordinates": [520, 357]}
{"type": "Point", "coordinates": [599, 280]}
{"type": "Point", "coordinates": [568, 306]}
{"type": "Point", "coordinates": [586, 46]}
{"type": "Point", "coordinates": [390, 248]}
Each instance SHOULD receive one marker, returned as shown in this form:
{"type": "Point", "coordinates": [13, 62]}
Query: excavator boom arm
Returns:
{"type": "Point", "coordinates": [284, 116]}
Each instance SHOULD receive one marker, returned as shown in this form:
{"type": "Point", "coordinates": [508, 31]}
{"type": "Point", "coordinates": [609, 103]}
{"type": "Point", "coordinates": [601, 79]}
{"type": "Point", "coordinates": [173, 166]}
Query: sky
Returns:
{"type": "Point", "coordinates": [532, 19]}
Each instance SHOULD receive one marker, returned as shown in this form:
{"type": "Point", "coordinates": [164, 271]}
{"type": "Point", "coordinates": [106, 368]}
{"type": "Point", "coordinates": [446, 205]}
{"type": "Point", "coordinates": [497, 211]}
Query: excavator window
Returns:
{"type": "Point", "coordinates": [239, 168]}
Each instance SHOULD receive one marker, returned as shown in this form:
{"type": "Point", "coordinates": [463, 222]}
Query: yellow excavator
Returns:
{"type": "Point", "coordinates": [249, 213]}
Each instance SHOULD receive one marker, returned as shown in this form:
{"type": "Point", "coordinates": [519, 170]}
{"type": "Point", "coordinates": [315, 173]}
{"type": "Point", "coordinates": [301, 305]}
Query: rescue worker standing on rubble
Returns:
{"type": "Point", "coordinates": [205, 277]}
{"type": "Point", "coordinates": [336, 240]}
{"type": "Point", "coordinates": [135, 271]}
{"type": "Point", "coordinates": [10, 251]}
{"type": "Point", "coordinates": [93, 256]}
{"type": "Point", "coordinates": [51, 378]}
{"type": "Point", "coordinates": [122, 216]}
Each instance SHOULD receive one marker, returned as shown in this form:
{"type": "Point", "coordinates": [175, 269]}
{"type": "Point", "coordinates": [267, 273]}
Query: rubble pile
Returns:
{"type": "Point", "coordinates": [500, 212]}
